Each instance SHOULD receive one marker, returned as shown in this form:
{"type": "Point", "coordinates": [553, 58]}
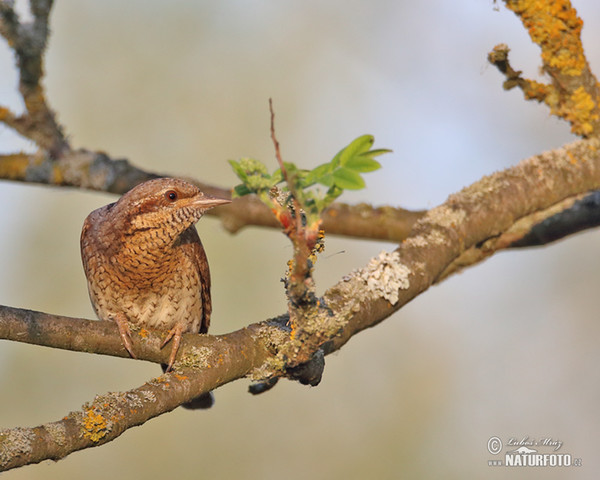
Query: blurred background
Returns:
{"type": "Point", "coordinates": [508, 348]}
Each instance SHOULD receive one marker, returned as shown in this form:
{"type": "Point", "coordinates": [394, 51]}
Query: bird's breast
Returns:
{"type": "Point", "coordinates": [152, 291]}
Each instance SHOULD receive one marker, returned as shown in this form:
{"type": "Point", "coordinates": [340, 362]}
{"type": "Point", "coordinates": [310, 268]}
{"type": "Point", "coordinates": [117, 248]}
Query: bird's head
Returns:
{"type": "Point", "coordinates": [168, 206]}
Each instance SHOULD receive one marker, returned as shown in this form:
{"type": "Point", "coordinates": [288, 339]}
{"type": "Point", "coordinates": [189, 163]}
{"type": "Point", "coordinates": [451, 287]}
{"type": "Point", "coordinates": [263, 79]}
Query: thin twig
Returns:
{"type": "Point", "coordinates": [276, 142]}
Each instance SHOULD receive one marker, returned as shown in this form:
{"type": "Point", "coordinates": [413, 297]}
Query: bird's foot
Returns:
{"type": "Point", "coordinates": [124, 332]}
{"type": "Point", "coordinates": [175, 333]}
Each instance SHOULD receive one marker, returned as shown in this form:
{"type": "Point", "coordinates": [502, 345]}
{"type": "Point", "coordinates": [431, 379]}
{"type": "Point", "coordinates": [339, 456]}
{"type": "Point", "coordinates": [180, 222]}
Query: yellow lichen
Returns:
{"type": "Point", "coordinates": [582, 101]}
{"type": "Point", "coordinates": [580, 109]}
{"type": "Point", "coordinates": [14, 167]}
{"type": "Point", "coordinates": [57, 174]}
{"type": "Point", "coordinates": [95, 426]}
{"type": "Point", "coordinates": [537, 91]}
{"type": "Point", "coordinates": [556, 28]}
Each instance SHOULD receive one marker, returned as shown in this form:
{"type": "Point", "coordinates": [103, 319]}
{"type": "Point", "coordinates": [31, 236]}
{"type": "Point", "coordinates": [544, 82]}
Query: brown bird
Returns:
{"type": "Point", "coordinates": [145, 264]}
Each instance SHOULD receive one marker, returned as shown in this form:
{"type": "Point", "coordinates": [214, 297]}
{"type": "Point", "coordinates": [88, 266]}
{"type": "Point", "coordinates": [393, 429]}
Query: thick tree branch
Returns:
{"type": "Point", "coordinates": [481, 212]}
{"type": "Point", "coordinates": [582, 212]}
{"type": "Point", "coordinates": [105, 418]}
{"type": "Point", "coordinates": [572, 215]}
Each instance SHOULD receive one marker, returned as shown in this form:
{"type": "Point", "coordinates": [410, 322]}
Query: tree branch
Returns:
{"type": "Point", "coordinates": [97, 171]}
{"type": "Point", "coordinates": [29, 41]}
{"type": "Point", "coordinates": [574, 93]}
{"type": "Point", "coordinates": [479, 213]}
{"type": "Point", "coordinates": [105, 418]}
{"type": "Point", "coordinates": [572, 215]}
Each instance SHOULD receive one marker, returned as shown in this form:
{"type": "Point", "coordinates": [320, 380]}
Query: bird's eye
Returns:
{"type": "Point", "coordinates": [171, 195]}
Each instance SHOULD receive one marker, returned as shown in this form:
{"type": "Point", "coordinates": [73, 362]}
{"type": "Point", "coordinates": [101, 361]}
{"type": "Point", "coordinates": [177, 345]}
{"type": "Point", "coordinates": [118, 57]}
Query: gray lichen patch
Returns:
{"type": "Point", "coordinates": [446, 216]}
{"type": "Point", "coordinates": [57, 432]}
{"type": "Point", "coordinates": [269, 368]}
{"type": "Point", "coordinates": [385, 275]}
{"type": "Point", "coordinates": [134, 399]}
{"type": "Point", "coordinates": [197, 357]}
{"type": "Point", "coordinates": [14, 442]}
{"type": "Point", "coordinates": [272, 335]}
{"type": "Point", "coordinates": [89, 169]}
{"type": "Point", "coordinates": [148, 396]}
{"type": "Point", "coordinates": [434, 237]}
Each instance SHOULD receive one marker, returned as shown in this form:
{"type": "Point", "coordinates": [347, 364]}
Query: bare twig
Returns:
{"type": "Point", "coordinates": [276, 144]}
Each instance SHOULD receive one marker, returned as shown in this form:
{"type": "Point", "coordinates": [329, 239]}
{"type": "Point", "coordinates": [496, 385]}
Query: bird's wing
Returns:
{"type": "Point", "coordinates": [201, 262]}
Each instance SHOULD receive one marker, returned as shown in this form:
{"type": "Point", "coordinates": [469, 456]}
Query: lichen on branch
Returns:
{"type": "Point", "coordinates": [573, 92]}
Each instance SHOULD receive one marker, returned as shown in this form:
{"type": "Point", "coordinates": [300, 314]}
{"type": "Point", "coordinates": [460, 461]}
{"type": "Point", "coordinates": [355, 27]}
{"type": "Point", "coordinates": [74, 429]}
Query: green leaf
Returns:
{"type": "Point", "coordinates": [335, 161]}
{"type": "Point", "coordinates": [326, 180]}
{"type": "Point", "coordinates": [315, 175]}
{"type": "Point", "coordinates": [291, 168]}
{"type": "Point", "coordinates": [348, 179]}
{"type": "Point", "coordinates": [333, 193]}
{"type": "Point", "coordinates": [343, 172]}
{"type": "Point", "coordinates": [356, 147]}
{"type": "Point", "coordinates": [377, 151]}
{"type": "Point", "coordinates": [259, 182]}
{"type": "Point", "coordinates": [239, 171]}
{"type": "Point", "coordinates": [240, 191]}
{"type": "Point", "coordinates": [363, 164]}
{"type": "Point", "coordinates": [277, 177]}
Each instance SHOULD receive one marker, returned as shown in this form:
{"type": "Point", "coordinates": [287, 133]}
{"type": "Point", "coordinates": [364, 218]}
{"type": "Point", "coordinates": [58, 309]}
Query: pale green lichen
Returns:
{"type": "Point", "coordinates": [385, 275]}
{"type": "Point", "coordinates": [197, 358]}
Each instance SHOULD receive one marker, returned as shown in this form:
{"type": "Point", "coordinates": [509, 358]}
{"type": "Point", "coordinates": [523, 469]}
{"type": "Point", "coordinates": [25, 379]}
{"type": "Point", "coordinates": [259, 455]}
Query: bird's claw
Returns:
{"type": "Point", "coordinates": [125, 333]}
{"type": "Point", "coordinates": [175, 333]}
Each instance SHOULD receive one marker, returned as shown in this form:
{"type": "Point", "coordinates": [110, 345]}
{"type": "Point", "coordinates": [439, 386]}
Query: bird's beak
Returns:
{"type": "Point", "coordinates": [206, 202]}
